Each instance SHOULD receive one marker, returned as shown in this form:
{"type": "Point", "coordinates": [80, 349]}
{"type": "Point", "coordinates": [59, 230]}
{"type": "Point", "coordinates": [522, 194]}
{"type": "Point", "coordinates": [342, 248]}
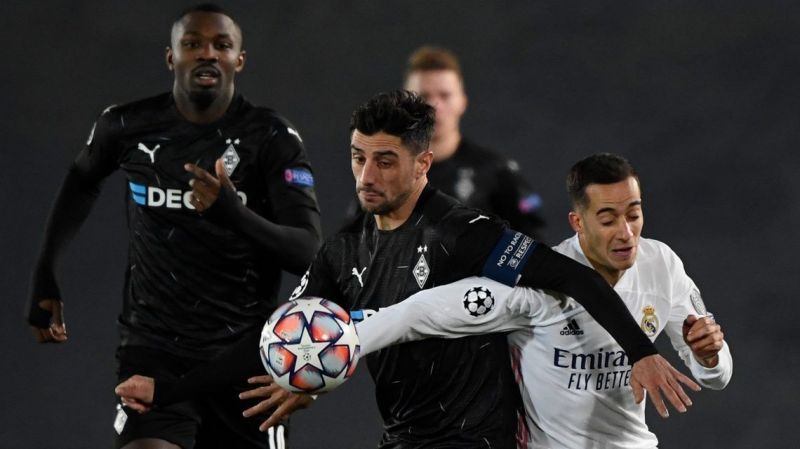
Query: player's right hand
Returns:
{"type": "Point", "coordinates": [281, 402]}
{"type": "Point", "coordinates": [656, 375]}
{"type": "Point", "coordinates": [57, 331]}
{"type": "Point", "coordinates": [137, 392]}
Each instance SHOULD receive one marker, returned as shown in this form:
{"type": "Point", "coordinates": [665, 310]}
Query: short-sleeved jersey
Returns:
{"type": "Point", "coordinates": [193, 286]}
{"type": "Point", "coordinates": [574, 378]}
{"type": "Point", "coordinates": [434, 393]}
{"type": "Point", "coordinates": [486, 180]}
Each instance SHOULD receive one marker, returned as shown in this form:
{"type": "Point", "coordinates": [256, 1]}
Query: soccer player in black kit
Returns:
{"type": "Point", "coordinates": [220, 200]}
{"type": "Point", "coordinates": [434, 393]}
{"type": "Point", "coordinates": [475, 175]}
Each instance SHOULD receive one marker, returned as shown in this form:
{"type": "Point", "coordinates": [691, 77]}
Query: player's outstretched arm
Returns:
{"type": "Point", "coordinates": [471, 306]}
{"type": "Point", "coordinates": [294, 243]}
{"type": "Point", "coordinates": [282, 403]}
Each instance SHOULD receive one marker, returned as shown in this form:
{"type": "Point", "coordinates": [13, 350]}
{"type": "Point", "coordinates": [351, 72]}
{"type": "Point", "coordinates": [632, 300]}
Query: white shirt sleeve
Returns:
{"type": "Point", "coordinates": [686, 300]}
{"type": "Point", "coordinates": [467, 307]}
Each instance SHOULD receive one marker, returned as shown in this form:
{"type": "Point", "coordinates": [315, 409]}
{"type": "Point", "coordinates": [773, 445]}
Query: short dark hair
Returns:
{"type": "Point", "coordinates": [428, 58]}
{"type": "Point", "coordinates": [400, 113]}
{"type": "Point", "coordinates": [207, 8]}
{"type": "Point", "coordinates": [600, 168]}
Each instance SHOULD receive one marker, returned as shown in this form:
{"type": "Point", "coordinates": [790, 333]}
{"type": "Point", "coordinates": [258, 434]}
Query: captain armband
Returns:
{"type": "Point", "coordinates": [508, 257]}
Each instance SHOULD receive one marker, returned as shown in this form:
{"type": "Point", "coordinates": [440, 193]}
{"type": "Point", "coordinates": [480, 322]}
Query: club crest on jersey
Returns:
{"type": "Point", "coordinates": [230, 158]}
{"type": "Point", "coordinates": [421, 269]}
{"type": "Point", "coordinates": [649, 321]}
{"type": "Point", "coordinates": [697, 302]}
{"type": "Point", "coordinates": [465, 186]}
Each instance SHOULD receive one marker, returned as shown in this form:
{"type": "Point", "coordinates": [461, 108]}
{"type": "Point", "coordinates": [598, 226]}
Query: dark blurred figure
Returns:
{"type": "Point", "coordinates": [476, 176]}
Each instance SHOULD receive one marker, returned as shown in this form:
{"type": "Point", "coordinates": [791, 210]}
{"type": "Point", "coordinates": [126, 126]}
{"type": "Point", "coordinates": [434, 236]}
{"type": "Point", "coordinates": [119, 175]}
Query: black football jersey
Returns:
{"type": "Point", "coordinates": [193, 286]}
{"type": "Point", "coordinates": [433, 393]}
{"type": "Point", "coordinates": [481, 178]}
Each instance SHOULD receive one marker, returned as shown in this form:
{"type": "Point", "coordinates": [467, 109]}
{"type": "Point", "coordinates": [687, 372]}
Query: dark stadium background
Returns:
{"type": "Point", "coordinates": [701, 96]}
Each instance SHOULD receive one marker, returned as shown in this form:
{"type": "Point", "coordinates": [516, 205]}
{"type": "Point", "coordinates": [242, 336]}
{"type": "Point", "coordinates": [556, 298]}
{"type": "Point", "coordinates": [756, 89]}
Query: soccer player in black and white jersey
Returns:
{"type": "Point", "coordinates": [575, 380]}
{"type": "Point", "coordinates": [220, 200]}
{"type": "Point", "coordinates": [433, 393]}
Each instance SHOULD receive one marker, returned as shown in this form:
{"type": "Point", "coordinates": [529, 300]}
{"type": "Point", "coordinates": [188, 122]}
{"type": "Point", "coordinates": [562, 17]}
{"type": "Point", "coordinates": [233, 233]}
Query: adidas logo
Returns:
{"type": "Point", "coordinates": [572, 328]}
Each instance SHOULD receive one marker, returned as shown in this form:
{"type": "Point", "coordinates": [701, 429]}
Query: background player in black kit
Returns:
{"type": "Point", "coordinates": [433, 393]}
{"type": "Point", "coordinates": [206, 251]}
{"type": "Point", "coordinates": [477, 176]}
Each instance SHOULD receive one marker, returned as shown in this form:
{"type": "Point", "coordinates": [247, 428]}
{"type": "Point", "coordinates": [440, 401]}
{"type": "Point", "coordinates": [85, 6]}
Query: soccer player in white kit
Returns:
{"type": "Point", "coordinates": [574, 378]}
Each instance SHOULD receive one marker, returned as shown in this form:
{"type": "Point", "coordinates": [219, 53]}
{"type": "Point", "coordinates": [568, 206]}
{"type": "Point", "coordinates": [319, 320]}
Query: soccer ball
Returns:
{"type": "Point", "coordinates": [478, 301]}
{"type": "Point", "coordinates": [309, 345]}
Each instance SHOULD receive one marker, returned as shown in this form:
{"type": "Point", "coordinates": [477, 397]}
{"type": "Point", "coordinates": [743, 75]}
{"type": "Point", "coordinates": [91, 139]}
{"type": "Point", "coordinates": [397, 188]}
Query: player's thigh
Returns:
{"type": "Point", "coordinates": [150, 443]}
{"type": "Point", "coordinates": [224, 426]}
{"type": "Point", "coordinates": [176, 424]}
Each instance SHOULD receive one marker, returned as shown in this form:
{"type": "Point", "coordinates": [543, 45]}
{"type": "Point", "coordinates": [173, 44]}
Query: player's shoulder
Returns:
{"type": "Point", "coordinates": [143, 106]}
{"type": "Point", "coordinates": [483, 156]}
{"type": "Point", "coordinates": [270, 119]}
{"type": "Point", "coordinates": [138, 112]}
{"type": "Point", "coordinates": [656, 254]}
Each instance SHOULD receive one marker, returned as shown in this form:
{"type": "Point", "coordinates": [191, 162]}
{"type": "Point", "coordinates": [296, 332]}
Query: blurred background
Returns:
{"type": "Point", "coordinates": [702, 97]}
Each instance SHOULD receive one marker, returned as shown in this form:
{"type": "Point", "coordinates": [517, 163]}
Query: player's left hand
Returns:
{"type": "Point", "coordinates": [704, 336]}
{"type": "Point", "coordinates": [284, 402]}
{"type": "Point", "coordinates": [205, 187]}
{"type": "Point", "coordinates": [656, 375]}
{"type": "Point", "coordinates": [137, 393]}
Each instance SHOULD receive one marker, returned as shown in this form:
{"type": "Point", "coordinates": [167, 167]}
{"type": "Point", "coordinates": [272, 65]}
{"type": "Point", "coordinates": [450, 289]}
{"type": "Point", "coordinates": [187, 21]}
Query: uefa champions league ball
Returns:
{"type": "Point", "coordinates": [309, 345]}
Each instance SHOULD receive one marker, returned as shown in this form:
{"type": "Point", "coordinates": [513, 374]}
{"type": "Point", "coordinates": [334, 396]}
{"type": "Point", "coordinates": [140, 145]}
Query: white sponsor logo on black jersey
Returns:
{"type": "Point", "coordinates": [151, 153]}
{"type": "Point", "coordinates": [572, 328]}
{"type": "Point", "coordinates": [478, 301]}
{"type": "Point", "coordinates": [151, 196]}
{"type": "Point", "coordinates": [358, 275]}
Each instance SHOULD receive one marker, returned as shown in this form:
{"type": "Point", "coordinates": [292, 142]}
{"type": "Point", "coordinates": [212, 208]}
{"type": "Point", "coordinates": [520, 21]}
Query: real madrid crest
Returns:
{"type": "Point", "coordinates": [230, 158]}
{"type": "Point", "coordinates": [649, 321]}
{"type": "Point", "coordinates": [421, 269]}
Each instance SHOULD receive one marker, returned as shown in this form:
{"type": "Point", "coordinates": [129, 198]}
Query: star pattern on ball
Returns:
{"type": "Point", "coordinates": [308, 308]}
{"type": "Point", "coordinates": [307, 351]}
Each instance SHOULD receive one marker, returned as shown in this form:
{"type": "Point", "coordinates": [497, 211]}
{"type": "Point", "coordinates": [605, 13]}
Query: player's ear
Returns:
{"type": "Point", "coordinates": [240, 61]}
{"type": "Point", "coordinates": [423, 163]}
{"type": "Point", "coordinates": [168, 58]}
{"type": "Point", "coordinates": [575, 221]}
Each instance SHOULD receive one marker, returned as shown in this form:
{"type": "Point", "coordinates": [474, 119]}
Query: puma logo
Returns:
{"type": "Point", "coordinates": [151, 153]}
{"type": "Point", "coordinates": [358, 275]}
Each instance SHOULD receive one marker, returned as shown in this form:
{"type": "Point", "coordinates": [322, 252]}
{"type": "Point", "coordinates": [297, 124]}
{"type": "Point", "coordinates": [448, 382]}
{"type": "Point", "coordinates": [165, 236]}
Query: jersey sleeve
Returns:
{"type": "Point", "coordinates": [319, 280]}
{"type": "Point", "coordinates": [470, 306]}
{"type": "Point", "coordinates": [295, 234]}
{"type": "Point", "coordinates": [98, 159]}
{"type": "Point", "coordinates": [686, 300]}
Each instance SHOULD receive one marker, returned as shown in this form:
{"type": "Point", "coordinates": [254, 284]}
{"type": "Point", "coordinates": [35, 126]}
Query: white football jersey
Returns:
{"type": "Point", "coordinates": [574, 378]}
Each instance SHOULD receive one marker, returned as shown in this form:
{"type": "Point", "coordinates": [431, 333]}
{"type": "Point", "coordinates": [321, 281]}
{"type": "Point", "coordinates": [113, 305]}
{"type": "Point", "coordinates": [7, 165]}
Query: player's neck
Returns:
{"type": "Point", "coordinates": [445, 145]}
{"type": "Point", "coordinates": [612, 276]}
{"type": "Point", "coordinates": [397, 217]}
{"type": "Point", "coordinates": [191, 112]}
